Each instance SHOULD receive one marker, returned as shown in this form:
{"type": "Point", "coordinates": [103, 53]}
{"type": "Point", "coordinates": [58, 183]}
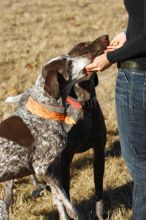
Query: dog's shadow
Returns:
{"type": "Point", "coordinates": [113, 198]}
{"type": "Point", "coordinates": [113, 151]}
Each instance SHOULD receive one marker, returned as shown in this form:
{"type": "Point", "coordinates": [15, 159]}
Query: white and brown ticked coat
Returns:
{"type": "Point", "coordinates": [28, 143]}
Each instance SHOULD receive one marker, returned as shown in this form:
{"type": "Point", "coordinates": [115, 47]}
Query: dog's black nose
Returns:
{"type": "Point", "coordinates": [106, 38]}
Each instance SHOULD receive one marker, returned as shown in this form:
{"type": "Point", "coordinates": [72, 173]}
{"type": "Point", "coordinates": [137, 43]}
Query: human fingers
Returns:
{"type": "Point", "coordinates": [99, 68]}
{"type": "Point", "coordinates": [111, 47]}
{"type": "Point", "coordinates": [90, 66]}
{"type": "Point", "coordinates": [92, 70]}
{"type": "Point", "coordinates": [116, 46]}
{"type": "Point", "coordinates": [120, 44]}
{"type": "Point", "coordinates": [114, 42]}
{"type": "Point", "coordinates": [109, 50]}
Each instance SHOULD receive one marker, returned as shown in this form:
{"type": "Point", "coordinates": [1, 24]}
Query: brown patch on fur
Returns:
{"type": "Point", "coordinates": [51, 84]}
{"type": "Point", "coordinates": [14, 129]}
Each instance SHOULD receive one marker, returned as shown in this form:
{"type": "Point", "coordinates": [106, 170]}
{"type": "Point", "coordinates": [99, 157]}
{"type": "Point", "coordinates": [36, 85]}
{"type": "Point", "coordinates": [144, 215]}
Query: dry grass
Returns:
{"type": "Point", "coordinates": [33, 31]}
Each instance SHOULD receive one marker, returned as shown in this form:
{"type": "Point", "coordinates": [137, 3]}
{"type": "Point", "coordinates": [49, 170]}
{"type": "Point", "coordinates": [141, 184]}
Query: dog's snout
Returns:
{"type": "Point", "coordinates": [105, 37]}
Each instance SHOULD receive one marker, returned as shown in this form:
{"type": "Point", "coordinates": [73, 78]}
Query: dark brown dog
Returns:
{"type": "Point", "coordinates": [89, 130]}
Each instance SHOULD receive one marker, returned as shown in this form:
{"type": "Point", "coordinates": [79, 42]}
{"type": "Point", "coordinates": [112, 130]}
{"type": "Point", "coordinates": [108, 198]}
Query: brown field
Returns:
{"type": "Point", "coordinates": [31, 32]}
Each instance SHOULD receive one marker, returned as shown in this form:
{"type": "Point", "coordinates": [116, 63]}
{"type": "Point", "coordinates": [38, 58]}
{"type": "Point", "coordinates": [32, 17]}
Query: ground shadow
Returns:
{"type": "Point", "coordinates": [114, 151]}
{"type": "Point", "coordinates": [119, 196]}
{"type": "Point", "coordinates": [82, 163]}
{"type": "Point", "coordinates": [53, 215]}
{"type": "Point", "coordinates": [113, 198]}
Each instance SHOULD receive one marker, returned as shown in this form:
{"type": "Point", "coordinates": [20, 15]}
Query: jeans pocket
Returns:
{"type": "Point", "coordinates": [138, 90]}
{"type": "Point", "coordinates": [124, 76]}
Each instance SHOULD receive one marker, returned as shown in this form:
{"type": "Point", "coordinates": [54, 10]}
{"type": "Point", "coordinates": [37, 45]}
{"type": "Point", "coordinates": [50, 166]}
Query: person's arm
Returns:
{"type": "Point", "coordinates": [131, 49]}
{"type": "Point", "coordinates": [134, 48]}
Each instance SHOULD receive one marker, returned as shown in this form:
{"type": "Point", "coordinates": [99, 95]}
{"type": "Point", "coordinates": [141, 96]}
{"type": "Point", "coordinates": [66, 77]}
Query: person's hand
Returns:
{"type": "Point", "coordinates": [117, 42]}
{"type": "Point", "coordinates": [100, 63]}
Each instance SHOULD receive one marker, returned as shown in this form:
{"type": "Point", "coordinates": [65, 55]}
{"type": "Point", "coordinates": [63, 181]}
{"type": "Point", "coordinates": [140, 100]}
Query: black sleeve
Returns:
{"type": "Point", "coordinates": [133, 48]}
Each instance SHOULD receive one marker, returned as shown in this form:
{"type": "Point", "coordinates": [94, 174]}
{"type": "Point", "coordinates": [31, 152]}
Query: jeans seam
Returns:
{"type": "Point", "coordinates": [144, 94]}
{"type": "Point", "coordinates": [130, 102]}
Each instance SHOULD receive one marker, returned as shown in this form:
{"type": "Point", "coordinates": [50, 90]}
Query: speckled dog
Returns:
{"type": "Point", "coordinates": [31, 139]}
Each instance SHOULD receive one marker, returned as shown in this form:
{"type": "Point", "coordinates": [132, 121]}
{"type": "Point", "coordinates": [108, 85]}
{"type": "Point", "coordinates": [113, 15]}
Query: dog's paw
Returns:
{"type": "Point", "coordinates": [38, 191]}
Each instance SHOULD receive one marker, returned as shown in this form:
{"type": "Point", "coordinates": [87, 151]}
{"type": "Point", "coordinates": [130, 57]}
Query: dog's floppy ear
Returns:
{"type": "Point", "coordinates": [54, 74]}
{"type": "Point", "coordinates": [51, 86]}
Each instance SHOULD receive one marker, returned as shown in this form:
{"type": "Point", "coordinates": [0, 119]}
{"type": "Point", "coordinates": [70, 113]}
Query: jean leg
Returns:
{"type": "Point", "coordinates": [123, 117]}
{"type": "Point", "coordinates": [131, 118]}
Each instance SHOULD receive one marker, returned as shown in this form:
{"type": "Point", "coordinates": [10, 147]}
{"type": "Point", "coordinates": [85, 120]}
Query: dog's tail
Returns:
{"type": "Point", "coordinates": [13, 99]}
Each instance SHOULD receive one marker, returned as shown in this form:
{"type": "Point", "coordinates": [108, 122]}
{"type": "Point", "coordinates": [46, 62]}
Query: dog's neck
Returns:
{"type": "Point", "coordinates": [38, 93]}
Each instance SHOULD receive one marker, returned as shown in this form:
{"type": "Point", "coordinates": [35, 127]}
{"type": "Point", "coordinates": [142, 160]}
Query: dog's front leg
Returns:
{"type": "Point", "coordinates": [39, 187]}
{"type": "Point", "coordinates": [71, 211]}
{"type": "Point", "coordinates": [98, 179]}
{"type": "Point", "coordinates": [60, 206]}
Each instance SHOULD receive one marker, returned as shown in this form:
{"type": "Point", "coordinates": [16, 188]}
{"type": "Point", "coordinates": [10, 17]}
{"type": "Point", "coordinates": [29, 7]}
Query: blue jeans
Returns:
{"type": "Point", "coordinates": [131, 118]}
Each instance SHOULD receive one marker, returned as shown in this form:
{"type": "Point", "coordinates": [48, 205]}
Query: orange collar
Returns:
{"type": "Point", "coordinates": [42, 111]}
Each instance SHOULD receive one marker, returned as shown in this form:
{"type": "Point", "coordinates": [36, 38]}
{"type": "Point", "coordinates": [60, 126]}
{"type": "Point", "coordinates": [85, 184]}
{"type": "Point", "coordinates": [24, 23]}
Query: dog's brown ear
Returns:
{"type": "Point", "coordinates": [51, 86]}
{"type": "Point", "coordinates": [54, 74]}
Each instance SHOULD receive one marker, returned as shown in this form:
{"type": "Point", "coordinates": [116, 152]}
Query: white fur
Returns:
{"type": "Point", "coordinates": [13, 99]}
{"type": "Point", "coordinates": [78, 65]}
{"type": "Point", "coordinates": [3, 211]}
